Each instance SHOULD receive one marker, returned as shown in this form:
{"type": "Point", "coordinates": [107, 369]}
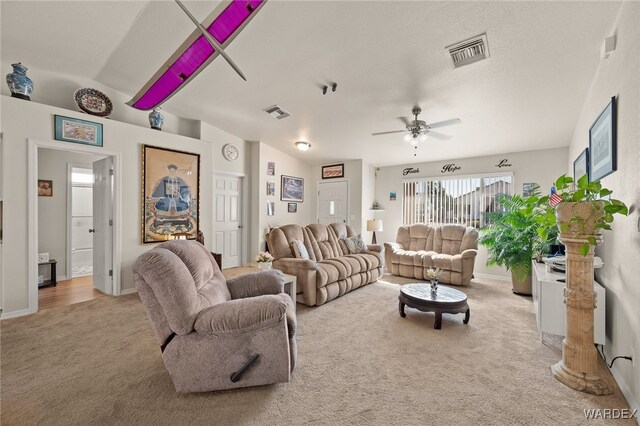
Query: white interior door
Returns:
{"type": "Point", "coordinates": [228, 226]}
{"type": "Point", "coordinates": [103, 225]}
{"type": "Point", "coordinates": [333, 202]}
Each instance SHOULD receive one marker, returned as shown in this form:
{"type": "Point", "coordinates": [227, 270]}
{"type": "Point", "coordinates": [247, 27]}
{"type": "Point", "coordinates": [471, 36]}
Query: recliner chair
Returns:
{"type": "Point", "coordinates": [216, 334]}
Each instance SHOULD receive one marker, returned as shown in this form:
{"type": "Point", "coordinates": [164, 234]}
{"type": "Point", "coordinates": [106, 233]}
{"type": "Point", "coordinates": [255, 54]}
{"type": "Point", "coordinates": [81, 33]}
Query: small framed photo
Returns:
{"type": "Point", "coordinates": [602, 143]}
{"type": "Point", "coordinates": [271, 188]}
{"type": "Point", "coordinates": [581, 165]}
{"type": "Point", "coordinates": [292, 189]}
{"type": "Point", "coordinates": [45, 188]}
{"type": "Point", "coordinates": [393, 196]}
{"type": "Point", "coordinates": [292, 207]}
{"type": "Point", "coordinates": [271, 168]}
{"type": "Point", "coordinates": [77, 131]}
{"type": "Point", "coordinates": [529, 188]}
{"type": "Point", "coordinates": [333, 171]}
{"type": "Point", "coordinates": [270, 208]}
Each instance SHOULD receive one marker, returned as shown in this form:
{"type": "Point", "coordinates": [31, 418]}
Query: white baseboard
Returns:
{"type": "Point", "coordinates": [128, 291]}
{"type": "Point", "coordinates": [626, 392]}
{"type": "Point", "coordinates": [15, 314]}
{"type": "Point", "coordinates": [492, 277]}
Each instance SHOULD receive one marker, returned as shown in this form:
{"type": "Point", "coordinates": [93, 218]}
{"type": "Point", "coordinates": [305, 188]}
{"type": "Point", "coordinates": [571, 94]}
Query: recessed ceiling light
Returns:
{"type": "Point", "coordinates": [303, 146]}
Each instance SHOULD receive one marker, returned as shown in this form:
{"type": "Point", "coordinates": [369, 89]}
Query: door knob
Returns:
{"type": "Point", "coordinates": [91, 231]}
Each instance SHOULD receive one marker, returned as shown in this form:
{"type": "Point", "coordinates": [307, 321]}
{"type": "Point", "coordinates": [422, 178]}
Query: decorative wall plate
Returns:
{"type": "Point", "coordinates": [93, 102]}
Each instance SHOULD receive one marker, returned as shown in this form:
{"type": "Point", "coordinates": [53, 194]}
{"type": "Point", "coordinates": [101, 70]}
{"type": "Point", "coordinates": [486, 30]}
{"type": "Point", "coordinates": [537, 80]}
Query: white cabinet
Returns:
{"type": "Point", "coordinates": [549, 307]}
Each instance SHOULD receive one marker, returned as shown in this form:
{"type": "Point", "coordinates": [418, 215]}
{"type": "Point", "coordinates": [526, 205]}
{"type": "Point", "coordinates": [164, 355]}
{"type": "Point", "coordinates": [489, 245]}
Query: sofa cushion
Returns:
{"type": "Point", "coordinates": [299, 250]}
{"type": "Point", "coordinates": [355, 244]}
{"type": "Point", "coordinates": [442, 261]}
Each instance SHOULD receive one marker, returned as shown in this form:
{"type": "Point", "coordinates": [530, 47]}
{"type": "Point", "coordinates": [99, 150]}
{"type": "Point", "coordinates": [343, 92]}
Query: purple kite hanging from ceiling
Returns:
{"type": "Point", "coordinates": [197, 52]}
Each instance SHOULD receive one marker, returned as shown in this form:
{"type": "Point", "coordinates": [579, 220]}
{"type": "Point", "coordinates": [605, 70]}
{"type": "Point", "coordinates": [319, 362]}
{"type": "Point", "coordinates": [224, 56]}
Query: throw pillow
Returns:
{"type": "Point", "coordinates": [355, 244]}
{"type": "Point", "coordinates": [299, 249]}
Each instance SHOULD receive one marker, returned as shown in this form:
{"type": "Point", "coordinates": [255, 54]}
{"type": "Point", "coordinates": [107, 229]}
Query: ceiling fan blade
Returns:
{"type": "Point", "coordinates": [444, 123]}
{"type": "Point", "coordinates": [405, 120]}
{"type": "Point", "coordinates": [386, 133]}
{"type": "Point", "coordinates": [439, 135]}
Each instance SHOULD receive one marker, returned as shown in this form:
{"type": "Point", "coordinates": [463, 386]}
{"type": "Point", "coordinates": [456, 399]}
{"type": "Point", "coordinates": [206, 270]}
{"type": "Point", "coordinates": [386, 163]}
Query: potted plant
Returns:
{"type": "Point", "coordinates": [264, 260]}
{"type": "Point", "coordinates": [512, 238]}
{"type": "Point", "coordinates": [583, 210]}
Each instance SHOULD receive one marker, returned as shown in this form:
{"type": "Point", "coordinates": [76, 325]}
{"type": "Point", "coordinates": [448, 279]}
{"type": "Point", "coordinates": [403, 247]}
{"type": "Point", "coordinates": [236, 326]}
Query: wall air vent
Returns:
{"type": "Point", "coordinates": [277, 112]}
{"type": "Point", "coordinates": [469, 51]}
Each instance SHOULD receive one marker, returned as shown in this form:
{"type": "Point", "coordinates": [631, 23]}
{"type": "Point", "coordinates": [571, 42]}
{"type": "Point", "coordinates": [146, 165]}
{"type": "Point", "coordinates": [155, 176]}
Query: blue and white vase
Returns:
{"type": "Point", "coordinates": [20, 85]}
{"type": "Point", "coordinates": [156, 120]}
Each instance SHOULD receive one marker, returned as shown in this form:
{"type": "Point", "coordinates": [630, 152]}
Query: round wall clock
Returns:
{"type": "Point", "coordinates": [230, 152]}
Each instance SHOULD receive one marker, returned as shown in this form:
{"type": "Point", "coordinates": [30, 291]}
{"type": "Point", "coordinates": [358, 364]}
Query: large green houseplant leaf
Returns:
{"type": "Point", "coordinates": [579, 197]}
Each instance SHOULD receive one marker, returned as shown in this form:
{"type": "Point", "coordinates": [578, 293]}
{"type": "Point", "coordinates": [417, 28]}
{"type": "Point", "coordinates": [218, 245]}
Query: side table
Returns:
{"type": "Point", "coordinates": [290, 286]}
{"type": "Point", "coordinates": [54, 280]}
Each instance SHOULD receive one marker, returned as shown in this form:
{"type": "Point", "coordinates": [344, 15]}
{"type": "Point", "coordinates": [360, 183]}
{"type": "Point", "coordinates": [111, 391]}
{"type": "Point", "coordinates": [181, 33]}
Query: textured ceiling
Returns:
{"type": "Point", "coordinates": [385, 57]}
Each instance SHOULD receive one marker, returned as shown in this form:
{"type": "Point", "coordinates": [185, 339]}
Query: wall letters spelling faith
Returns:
{"type": "Point", "coordinates": [449, 168]}
{"type": "Point", "coordinates": [410, 170]}
{"type": "Point", "coordinates": [503, 163]}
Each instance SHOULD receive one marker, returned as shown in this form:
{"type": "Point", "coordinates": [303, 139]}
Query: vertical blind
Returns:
{"type": "Point", "coordinates": [464, 201]}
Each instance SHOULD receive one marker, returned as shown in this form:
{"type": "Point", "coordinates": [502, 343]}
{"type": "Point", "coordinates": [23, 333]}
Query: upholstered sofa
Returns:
{"type": "Point", "coordinates": [330, 270]}
{"type": "Point", "coordinates": [216, 334]}
{"type": "Point", "coordinates": [418, 247]}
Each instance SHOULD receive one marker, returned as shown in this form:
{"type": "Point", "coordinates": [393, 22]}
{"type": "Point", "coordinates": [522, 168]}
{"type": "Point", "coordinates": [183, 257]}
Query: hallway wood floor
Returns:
{"type": "Point", "coordinates": [68, 292]}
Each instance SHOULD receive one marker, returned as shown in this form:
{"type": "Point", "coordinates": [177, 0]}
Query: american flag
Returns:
{"type": "Point", "coordinates": [554, 199]}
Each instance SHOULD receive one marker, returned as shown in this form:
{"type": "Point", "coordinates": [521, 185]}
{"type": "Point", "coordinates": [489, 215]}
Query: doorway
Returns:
{"type": "Point", "coordinates": [333, 202]}
{"type": "Point", "coordinates": [72, 221]}
{"type": "Point", "coordinates": [228, 219]}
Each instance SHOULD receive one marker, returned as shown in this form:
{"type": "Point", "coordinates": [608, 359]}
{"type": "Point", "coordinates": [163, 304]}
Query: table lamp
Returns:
{"type": "Point", "coordinates": [374, 225]}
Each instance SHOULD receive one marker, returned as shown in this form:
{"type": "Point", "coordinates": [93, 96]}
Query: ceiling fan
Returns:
{"type": "Point", "coordinates": [417, 130]}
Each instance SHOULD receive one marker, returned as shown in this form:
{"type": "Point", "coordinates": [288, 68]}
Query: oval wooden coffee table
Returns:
{"type": "Point", "coordinates": [446, 300]}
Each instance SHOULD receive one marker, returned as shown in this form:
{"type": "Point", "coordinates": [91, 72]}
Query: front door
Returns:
{"type": "Point", "coordinates": [228, 226]}
{"type": "Point", "coordinates": [333, 202]}
{"type": "Point", "coordinates": [103, 225]}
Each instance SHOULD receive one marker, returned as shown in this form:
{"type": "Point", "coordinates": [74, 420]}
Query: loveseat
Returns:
{"type": "Point", "coordinates": [329, 269]}
{"type": "Point", "coordinates": [418, 247]}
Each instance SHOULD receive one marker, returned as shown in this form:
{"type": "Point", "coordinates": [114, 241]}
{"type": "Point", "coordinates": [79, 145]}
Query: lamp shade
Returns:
{"type": "Point", "coordinates": [374, 225]}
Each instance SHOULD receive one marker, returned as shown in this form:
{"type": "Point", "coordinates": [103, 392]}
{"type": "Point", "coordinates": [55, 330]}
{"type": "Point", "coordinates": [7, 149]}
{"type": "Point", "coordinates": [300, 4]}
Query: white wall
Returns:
{"type": "Point", "coordinates": [261, 154]}
{"type": "Point", "coordinates": [541, 167]}
{"type": "Point", "coordinates": [57, 89]}
{"type": "Point", "coordinates": [52, 211]}
{"type": "Point", "coordinates": [620, 76]}
{"type": "Point", "coordinates": [22, 120]}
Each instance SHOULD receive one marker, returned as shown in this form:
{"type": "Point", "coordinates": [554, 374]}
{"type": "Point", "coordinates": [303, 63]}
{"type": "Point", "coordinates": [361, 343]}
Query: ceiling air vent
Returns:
{"type": "Point", "coordinates": [469, 51]}
{"type": "Point", "coordinates": [277, 112]}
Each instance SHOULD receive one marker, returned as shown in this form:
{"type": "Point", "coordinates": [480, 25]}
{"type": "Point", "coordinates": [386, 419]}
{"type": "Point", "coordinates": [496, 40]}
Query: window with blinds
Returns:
{"type": "Point", "coordinates": [464, 201]}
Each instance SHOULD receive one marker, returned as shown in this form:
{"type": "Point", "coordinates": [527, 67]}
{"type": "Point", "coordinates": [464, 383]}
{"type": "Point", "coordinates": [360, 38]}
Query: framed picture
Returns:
{"type": "Point", "coordinates": [270, 208]}
{"type": "Point", "coordinates": [529, 188]}
{"type": "Point", "coordinates": [333, 171]}
{"type": "Point", "coordinates": [602, 143]}
{"type": "Point", "coordinates": [77, 131]}
{"type": "Point", "coordinates": [292, 189]}
{"type": "Point", "coordinates": [393, 196]}
{"type": "Point", "coordinates": [271, 168]}
{"type": "Point", "coordinates": [45, 188]}
{"type": "Point", "coordinates": [271, 188]}
{"type": "Point", "coordinates": [171, 194]}
{"type": "Point", "coordinates": [581, 165]}
{"type": "Point", "coordinates": [292, 207]}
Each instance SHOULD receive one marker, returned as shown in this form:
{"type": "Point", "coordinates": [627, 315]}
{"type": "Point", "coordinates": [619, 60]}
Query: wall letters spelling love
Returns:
{"type": "Point", "coordinates": [449, 168]}
{"type": "Point", "coordinates": [410, 170]}
{"type": "Point", "coordinates": [503, 163]}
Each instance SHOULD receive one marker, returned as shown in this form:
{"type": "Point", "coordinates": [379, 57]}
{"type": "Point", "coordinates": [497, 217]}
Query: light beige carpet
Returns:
{"type": "Point", "coordinates": [359, 363]}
